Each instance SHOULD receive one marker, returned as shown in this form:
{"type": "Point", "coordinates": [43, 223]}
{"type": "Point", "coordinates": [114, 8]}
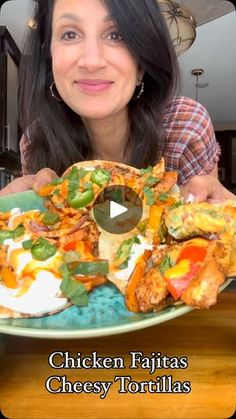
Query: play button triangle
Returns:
{"type": "Point", "coordinates": [116, 209]}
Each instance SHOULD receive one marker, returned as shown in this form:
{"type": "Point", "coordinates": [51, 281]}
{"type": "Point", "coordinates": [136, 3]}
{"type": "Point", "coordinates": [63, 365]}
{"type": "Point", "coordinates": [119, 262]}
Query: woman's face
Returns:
{"type": "Point", "coordinates": [94, 72]}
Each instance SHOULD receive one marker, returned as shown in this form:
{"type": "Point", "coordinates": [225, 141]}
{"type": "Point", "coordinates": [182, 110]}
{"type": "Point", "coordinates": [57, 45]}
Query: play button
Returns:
{"type": "Point", "coordinates": [118, 209]}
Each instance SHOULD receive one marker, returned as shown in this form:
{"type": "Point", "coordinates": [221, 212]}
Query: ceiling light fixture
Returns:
{"type": "Point", "coordinates": [181, 25]}
{"type": "Point", "coordinates": [32, 24]}
{"type": "Point", "coordinates": [197, 72]}
{"type": "Point", "coordinates": [2, 2]}
{"type": "Point", "coordinates": [233, 2]}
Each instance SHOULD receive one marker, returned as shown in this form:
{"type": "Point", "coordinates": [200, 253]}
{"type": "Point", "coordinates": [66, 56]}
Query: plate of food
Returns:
{"type": "Point", "coordinates": [62, 275]}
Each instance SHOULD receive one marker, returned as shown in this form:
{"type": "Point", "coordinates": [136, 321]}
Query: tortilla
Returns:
{"type": "Point", "coordinates": [110, 243]}
{"type": "Point", "coordinates": [6, 313]}
{"type": "Point", "coordinates": [30, 277]}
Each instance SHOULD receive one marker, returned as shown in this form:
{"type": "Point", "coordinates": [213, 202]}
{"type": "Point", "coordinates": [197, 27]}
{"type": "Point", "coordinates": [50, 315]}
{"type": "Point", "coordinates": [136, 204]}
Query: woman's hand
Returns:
{"type": "Point", "coordinates": [24, 183]}
{"type": "Point", "coordinates": [205, 188]}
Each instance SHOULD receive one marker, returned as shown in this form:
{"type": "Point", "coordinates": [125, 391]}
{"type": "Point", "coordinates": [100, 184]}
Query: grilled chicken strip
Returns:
{"type": "Point", "coordinates": [151, 290]}
{"type": "Point", "coordinates": [203, 290]}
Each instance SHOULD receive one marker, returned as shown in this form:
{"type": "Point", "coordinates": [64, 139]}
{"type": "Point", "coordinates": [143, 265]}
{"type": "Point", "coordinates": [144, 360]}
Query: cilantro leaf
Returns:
{"type": "Point", "coordinates": [151, 180]}
{"type": "Point", "coordinates": [56, 192]}
{"type": "Point", "coordinates": [74, 174]}
{"type": "Point", "coordinates": [82, 173]}
{"type": "Point", "coordinates": [74, 290]}
{"type": "Point", "coordinates": [163, 196]}
{"type": "Point", "coordinates": [146, 171]}
{"type": "Point", "coordinates": [149, 195]}
{"type": "Point", "coordinates": [56, 182]}
{"type": "Point", "coordinates": [74, 180]}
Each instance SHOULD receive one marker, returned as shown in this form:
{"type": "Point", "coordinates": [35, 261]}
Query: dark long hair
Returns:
{"type": "Point", "coordinates": [58, 137]}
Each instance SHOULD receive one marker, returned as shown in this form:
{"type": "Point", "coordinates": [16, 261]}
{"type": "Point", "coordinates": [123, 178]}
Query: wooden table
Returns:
{"type": "Point", "coordinates": [206, 338]}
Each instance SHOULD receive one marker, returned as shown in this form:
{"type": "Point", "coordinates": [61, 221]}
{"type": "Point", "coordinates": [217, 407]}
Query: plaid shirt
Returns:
{"type": "Point", "coordinates": [190, 147]}
{"type": "Point", "coordinates": [190, 143]}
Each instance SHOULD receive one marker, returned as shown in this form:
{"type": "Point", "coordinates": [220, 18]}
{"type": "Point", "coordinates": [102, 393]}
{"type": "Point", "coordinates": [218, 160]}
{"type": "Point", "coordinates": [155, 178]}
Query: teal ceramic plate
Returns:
{"type": "Point", "coordinates": [105, 314]}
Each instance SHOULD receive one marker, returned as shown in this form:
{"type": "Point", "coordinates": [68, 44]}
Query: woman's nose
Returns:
{"type": "Point", "coordinates": [92, 55]}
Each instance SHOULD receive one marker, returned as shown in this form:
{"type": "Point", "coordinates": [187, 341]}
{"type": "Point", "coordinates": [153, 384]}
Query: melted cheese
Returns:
{"type": "Point", "coordinates": [38, 291]}
{"type": "Point", "coordinates": [40, 298]}
{"type": "Point", "coordinates": [17, 217]}
{"type": "Point", "coordinates": [15, 212]}
{"type": "Point", "coordinates": [198, 241]}
{"type": "Point", "coordinates": [14, 250]}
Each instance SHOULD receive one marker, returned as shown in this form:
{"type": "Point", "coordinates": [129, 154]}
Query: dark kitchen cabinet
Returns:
{"type": "Point", "coordinates": [9, 128]}
{"type": "Point", "coordinates": [227, 162]}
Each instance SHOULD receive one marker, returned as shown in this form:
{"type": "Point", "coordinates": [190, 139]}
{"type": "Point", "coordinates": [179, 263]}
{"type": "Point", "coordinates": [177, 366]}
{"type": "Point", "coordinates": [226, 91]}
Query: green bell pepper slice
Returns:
{"type": "Point", "coordinates": [125, 248]}
{"type": "Point", "coordinates": [5, 234]}
{"type": "Point", "coordinates": [50, 218]}
{"type": "Point", "coordinates": [100, 177]}
{"type": "Point", "coordinates": [42, 249]}
{"type": "Point", "coordinates": [12, 234]}
{"type": "Point", "coordinates": [78, 199]}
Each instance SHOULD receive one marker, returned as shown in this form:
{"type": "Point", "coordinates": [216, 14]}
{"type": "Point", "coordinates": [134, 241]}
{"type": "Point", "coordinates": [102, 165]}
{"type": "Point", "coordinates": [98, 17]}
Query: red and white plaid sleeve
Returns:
{"type": "Point", "coordinates": [191, 147]}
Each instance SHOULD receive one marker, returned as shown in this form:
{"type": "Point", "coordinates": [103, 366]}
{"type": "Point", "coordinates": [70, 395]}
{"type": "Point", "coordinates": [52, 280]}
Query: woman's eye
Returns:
{"type": "Point", "coordinates": [69, 36]}
{"type": "Point", "coordinates": [114, 36]}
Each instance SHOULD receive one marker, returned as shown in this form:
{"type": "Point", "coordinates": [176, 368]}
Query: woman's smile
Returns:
{"type": "Point", "coordinates": [93, 85]}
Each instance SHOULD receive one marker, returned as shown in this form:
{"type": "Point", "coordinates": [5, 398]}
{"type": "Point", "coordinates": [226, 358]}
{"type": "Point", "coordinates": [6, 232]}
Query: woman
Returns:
{"type": "Point", "coordinates": [99, 83]}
